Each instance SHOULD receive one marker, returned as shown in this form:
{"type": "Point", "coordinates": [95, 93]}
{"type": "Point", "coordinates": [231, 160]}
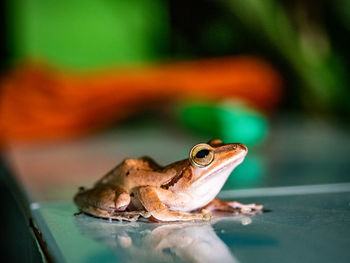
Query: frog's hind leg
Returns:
{"type": "Point", "coordinates": [101, 200]}
{"type": "Point", "coordinates": [233, 206]}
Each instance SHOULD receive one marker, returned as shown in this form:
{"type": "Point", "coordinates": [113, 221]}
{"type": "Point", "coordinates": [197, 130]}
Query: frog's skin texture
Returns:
{"type": "Point", "coordinates": [181, 191]}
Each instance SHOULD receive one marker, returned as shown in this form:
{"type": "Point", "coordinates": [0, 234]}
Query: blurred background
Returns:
{"type": "Point", "coordinates": [163, 75]}
{"type": "Point", "coordinates": [85, 84]}
{"type": "Point", "coordinates": [134, 78]}
{"type": "Point", "coordinates": [77, 67]}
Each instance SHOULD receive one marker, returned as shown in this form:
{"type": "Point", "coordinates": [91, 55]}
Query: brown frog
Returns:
{"type": "Point", "coordinates": [181, 191]}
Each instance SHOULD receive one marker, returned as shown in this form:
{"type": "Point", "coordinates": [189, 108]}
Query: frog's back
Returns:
{"type": "Point", "coordinates": [138, 172]}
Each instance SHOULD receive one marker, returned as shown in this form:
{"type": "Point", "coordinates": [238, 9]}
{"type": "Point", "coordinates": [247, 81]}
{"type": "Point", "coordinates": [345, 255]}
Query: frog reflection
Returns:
{"type": "Point", "coordinates": [175, 242]}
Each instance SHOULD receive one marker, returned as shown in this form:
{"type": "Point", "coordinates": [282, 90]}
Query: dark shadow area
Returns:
{"type": "Point", "coordinates": [16, 241]}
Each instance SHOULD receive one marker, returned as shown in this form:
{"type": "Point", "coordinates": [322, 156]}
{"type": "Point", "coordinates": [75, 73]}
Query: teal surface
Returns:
{"type": "Point", "coordinates": [298, 228]}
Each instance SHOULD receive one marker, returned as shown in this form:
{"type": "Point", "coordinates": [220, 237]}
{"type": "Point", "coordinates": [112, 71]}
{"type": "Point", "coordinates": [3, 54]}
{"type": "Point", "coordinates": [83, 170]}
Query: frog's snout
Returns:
{"type": "Point", "coordinates": [242, 147]}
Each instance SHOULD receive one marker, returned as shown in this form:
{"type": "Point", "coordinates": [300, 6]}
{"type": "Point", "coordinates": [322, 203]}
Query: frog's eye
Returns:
{"type": "Point", "coordinates": [201, 155]}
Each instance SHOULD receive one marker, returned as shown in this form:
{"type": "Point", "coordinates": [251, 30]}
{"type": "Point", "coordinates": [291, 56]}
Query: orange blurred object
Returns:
{"type": "Point", "coordinates": [41, 102]}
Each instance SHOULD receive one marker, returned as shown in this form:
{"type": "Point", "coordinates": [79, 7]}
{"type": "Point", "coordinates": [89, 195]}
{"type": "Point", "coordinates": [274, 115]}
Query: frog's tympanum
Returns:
{"type": "Point", "coordinates": [181, 191]}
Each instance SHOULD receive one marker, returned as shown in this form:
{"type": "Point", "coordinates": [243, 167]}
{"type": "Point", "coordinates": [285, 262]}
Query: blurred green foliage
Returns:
{"type": "Point", "coordinates": [306, 40]}
{"type": "Point", "coordinates": [89, 34]}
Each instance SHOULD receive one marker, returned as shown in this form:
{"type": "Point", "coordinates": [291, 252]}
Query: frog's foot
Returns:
{"type": "Point", "coordinates": [113, 214]}
{"type": "Point", "coordinates": [128, 216]}
{"type": "Point", "coordinates": [149, 197]}
{"type": "Point", "coordinates": [234, 207]}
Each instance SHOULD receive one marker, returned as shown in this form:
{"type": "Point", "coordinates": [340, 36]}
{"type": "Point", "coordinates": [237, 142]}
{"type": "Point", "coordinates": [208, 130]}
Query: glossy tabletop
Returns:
{"type": "Point", "coordinates": [297, 228]}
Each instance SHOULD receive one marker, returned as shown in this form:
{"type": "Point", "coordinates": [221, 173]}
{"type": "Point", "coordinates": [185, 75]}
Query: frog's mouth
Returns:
{"type": "Point", "coordinates": [220, 170]}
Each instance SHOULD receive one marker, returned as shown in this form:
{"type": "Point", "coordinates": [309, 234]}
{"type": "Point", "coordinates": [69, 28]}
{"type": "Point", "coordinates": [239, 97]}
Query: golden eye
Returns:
{"type": "Point", "coordinates": [201, 155]}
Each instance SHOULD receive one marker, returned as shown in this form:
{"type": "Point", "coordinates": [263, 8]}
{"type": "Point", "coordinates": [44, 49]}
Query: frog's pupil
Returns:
{"type": "Point", "coordinates": [202, 153]}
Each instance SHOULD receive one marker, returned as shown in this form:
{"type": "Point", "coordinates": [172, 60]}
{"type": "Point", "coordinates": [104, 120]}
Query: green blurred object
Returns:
{"type": "Point", "coordinates": [248, 174]}
{"type": "Point", "coordinates": [229, 121]}
{"type": "Point", "coordinates": [88, 34]}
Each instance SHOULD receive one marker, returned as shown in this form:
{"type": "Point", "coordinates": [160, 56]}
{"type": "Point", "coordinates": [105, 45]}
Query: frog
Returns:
{"type": "Point", "coordinates": [185, 190]}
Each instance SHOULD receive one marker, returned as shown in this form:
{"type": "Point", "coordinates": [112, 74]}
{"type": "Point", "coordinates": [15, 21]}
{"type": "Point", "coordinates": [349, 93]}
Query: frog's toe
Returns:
{"type": "Point", "coordinates": [206, 215]}
{"type": "Point", "coordinates": [122, 202]}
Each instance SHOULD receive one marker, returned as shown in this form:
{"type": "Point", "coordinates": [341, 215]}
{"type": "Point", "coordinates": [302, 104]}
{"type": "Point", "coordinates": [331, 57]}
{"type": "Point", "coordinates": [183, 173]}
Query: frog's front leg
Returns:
{"type": "Point", "coordinates": [233, 206]}
{"type": "Point", "coordinates": [149, 197]}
